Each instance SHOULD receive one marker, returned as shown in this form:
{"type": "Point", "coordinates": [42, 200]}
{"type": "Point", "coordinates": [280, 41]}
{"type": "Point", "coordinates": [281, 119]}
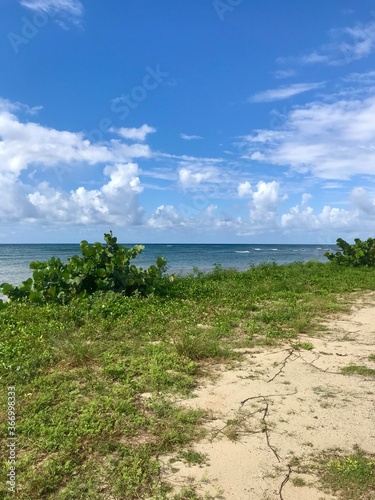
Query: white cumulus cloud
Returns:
{"type": "Point", "coordinates": [116, 202]}
{"type": "Point", "coordinates": [362, 200]}
{"type": "Point", "coordinates": [244, 189]}
{"type": "Point", "coordinates": [28, 149]}
{"type": "Point", "coordinates": [189, 178]}
{"type": "Point", "coordinates": [359, 217]}
{"type": "Point", "coordinates": [135, 134]}
{"type": "Point", "coordinates": [165, 216]}
{"type": "Point", "coordinates": [264, 203]}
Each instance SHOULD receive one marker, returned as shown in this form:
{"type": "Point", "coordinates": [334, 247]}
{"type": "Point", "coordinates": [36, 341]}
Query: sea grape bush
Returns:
{"type": "Point", "coordinates": [360, 254]}
{"type": "Point", "coordinates": [102, 267]}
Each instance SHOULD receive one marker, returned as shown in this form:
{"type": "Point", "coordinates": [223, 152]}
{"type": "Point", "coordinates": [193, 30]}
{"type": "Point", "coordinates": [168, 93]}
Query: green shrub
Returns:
{"type": "Point", "coordinates": [360, 254]}
{"type": "Point", "coordinates": [102, 267]}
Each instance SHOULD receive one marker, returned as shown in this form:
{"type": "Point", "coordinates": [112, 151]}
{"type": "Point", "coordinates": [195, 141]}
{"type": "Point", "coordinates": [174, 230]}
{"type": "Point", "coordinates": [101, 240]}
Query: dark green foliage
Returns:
{"type": "Point", "coordinates": [360, 254]}
{"type": "Point", "coordinates": [102, 267]}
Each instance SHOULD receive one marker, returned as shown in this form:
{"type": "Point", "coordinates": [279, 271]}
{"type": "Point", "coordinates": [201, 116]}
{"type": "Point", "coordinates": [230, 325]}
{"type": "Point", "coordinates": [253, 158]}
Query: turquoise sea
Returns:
{"type": "Point", "coordinates": [15, 259]}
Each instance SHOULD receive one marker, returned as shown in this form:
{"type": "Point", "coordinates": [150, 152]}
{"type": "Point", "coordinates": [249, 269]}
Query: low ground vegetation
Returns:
{"type": "Point", "coordinates": [351, 477]}
{"type": "Point", "coordinates": [348, 476]}
{"type": "Point", "coordinates": [96, 375]}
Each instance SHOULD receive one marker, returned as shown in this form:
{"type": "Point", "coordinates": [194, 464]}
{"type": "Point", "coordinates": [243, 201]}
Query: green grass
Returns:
{"type": "Point", "coordinates": [352, 477]}
{"type": "Point", "coordinates": [298, 481]}
{"type": "Point", "coordinates": [96, 379]}
{"type": "Point", "coordinates": [307, 346]}
{"type": "Point", "coordinates": [358, 370]}
{"type": "Point", "coordinates": [192, 457]}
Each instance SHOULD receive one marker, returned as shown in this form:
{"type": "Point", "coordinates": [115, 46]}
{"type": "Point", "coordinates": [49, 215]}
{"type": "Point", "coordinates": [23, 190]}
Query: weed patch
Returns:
{"type": "Point", "coordinates": [351, 476]}
{"type": "Point", "coordinates": [192, 457]}
{"type": "Point", "coordinates": [358, 370]}
{"type": "Point", "coordinates": [307, 346]}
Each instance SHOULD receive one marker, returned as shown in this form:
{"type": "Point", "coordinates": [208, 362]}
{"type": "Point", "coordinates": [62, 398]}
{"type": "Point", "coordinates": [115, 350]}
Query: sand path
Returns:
{"type": "Point", "coordinates": [283, 404]}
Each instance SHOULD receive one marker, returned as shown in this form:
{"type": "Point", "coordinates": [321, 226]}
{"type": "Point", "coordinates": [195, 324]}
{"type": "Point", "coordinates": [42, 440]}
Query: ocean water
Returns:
{"type": "Point", "coordinates": [15, 259]}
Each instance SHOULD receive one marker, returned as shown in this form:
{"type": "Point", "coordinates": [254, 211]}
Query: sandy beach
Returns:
{"type": "Point", "coordinates": [281, 409]}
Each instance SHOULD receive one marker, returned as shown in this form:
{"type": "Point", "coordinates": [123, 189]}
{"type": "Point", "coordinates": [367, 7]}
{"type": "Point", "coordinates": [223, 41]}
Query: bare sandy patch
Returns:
{"type": "Point", "coordinates": [280, 407]}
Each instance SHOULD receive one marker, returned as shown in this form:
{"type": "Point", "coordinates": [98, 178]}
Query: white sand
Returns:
{"type": "Point", "coordinates": [300, 403]}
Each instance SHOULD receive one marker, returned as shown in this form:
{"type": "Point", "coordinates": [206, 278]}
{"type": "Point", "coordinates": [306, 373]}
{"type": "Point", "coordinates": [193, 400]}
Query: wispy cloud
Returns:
{"type": "Point", "coordinates": [284, 73]}
{"type": "Point", "coordinates": [345, 45]}
{"type": "Point", "coordinates": [334, 140]}
{"type": "Point", "coordinates": [71, 8]}
{"type": "Point", "coordinates": [347, 12]}
{"type": "Point", "coordinates": [285, 92]}
{"type": "Point", "coordinates": [187, 137]}
{"type": "Point", "coordinates": [315, 58]}
{"type": "Point", "coordinates": [367, 78]}
{"type": "Point", "coordinates": [14, 107]}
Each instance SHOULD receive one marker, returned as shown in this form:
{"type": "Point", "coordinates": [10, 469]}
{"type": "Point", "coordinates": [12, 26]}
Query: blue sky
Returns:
{"type": "Point", "coordinates": [221, 121]}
